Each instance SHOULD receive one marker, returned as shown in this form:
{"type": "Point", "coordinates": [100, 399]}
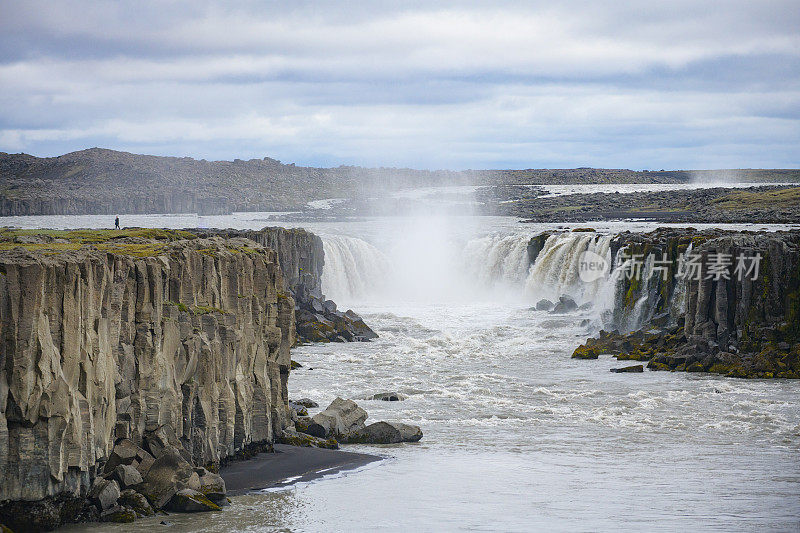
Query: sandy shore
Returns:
{"type": "Point", "coordinates": [289, 464]}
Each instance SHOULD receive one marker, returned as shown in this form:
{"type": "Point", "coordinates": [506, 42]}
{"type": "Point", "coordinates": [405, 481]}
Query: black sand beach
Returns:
{"type": "Point", "coordinates": [288, 463]}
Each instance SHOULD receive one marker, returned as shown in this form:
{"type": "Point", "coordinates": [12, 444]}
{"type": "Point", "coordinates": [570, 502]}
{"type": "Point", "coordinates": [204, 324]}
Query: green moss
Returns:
{"type": "Point", "coordinates": [719, 368]}
{"type": "Point", "coordinates": [205, 310]}
{"type": "Point", "coordinates": [105, 240]}
{"type": "Point", "coordinates": [586, 352]}
{"type": "Point", "coordinates": [695, 367]}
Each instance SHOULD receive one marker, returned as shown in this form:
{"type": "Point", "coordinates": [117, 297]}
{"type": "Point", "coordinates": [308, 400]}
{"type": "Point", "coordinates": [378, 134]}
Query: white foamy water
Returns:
{"type": "Point", "coordinates": [518, 436]}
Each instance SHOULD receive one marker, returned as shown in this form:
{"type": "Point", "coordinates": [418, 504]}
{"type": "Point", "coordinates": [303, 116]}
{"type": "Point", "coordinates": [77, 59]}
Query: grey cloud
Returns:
{"type": "Point", "coordinates": [457, 84]}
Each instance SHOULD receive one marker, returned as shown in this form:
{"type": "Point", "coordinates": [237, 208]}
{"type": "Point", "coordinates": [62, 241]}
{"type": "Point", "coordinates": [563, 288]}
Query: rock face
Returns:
{"type": "Point", "coordinates": [181, 346]}
{"type": "Point", "coordinates": [302, 259]}
{"type": "Point", "coordinates": [717, 321]}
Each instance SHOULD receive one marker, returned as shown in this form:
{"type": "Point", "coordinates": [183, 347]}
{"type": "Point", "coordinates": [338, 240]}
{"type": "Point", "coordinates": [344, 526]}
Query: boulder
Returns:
{"type": "Point", "coordinates": [565, 304]}
{"type": "Point", "coordinates": [119, 513]}
{"type": "Point", "coordinates": [298, 409]}
{"type": "Point", "coordinates": [191, 501]}
{"type": "Point", "coordinates": [145, 461]}
{"type": "Point", "coordinates": [340, 418]}
{"type": "Point", "coordinates": [212, 486]}
{"type": "Point", "coordinates": [387, 397]}
{"type": "Point", "coordinates": [306, 402]}
{"type": "Point", "coordinates": [544, 305]}
{"type": "Point", "coordinates": [169, 474]}
{"type": "Point", "coordinates": [329, 306]}
{"type": "Point", "coordinates": [302, 423]}
{"type": "Point", "coordinates": [127, 476]}
{"type": "Point", "coordinates": [104, 493]}
{"type": "Point", "coordinates": [632, 368]}
{"type": "Point", "coordinates": [124, 453]}
{"type": "Point", "coordinates": [386, 433]}
{"type": "Point", "coordinates": [132, 499]}
{"type": "Point", "coordinates": [303, 440]}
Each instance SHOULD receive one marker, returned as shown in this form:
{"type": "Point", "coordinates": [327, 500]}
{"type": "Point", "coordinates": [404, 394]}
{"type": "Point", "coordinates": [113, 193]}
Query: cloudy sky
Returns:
{"type": "Point", "coordinates": [669, 84]}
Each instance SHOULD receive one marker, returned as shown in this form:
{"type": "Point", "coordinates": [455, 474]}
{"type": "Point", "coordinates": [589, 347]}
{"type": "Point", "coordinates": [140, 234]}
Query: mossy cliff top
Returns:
{"type": "Point", "coordinates": [135, 242]}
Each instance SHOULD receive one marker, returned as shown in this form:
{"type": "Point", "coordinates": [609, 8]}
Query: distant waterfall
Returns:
{"type": "Point", "coordinates": [557, 267]}
{"type": "Point", "coordinates": [353, 268]}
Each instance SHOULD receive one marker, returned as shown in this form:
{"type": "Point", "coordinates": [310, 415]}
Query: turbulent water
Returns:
{"type": "Point", "coordinates": [518, 436]}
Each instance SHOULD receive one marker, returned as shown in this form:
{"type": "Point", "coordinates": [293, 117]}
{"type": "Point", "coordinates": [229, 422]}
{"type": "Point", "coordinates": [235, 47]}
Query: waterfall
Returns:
{"type": "Point", "coordinates": [497, 259]}
{"type": "Point", "coordinates": [557, 267]}
{"type": "Point", "coordinates": [353, 268]}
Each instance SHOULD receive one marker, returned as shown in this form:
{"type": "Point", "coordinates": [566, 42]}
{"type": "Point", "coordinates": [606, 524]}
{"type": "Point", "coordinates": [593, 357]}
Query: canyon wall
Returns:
{"type": "Point", "coordinates": [188, 339]}
{"type": "Point", "coordinates": [739, 317]}
{"type": "Point", "coordinates": [302, 259]}
{"type": "Point", "coordinates": [301, 254]}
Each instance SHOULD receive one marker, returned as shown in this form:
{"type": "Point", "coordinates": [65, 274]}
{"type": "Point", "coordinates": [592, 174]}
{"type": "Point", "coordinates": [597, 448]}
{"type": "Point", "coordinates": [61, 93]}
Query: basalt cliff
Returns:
{"type": "Point", "coordinates": [302, 256]}
{"type": "Point", "coordinates": [703, 301]}
{"type": "Point", "coordinates": [130, 357]}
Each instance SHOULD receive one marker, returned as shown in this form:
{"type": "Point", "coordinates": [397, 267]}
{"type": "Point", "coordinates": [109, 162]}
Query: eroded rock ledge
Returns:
{"type": "Point", "coordinates": [145, 336]}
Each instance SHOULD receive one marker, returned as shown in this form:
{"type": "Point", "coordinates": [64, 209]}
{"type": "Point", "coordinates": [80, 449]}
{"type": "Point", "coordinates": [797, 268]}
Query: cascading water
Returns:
{"type": "Point", "coordinates": [356, 270]}
{"type": "Point", "coordinates": [497, 259]}
{"type": "Point", "coordinates": [557, 268]}
{"type": "Point", "coordinates": [353, 268]}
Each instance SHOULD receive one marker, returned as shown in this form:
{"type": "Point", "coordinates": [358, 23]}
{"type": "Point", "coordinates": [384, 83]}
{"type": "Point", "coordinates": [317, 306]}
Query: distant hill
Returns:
{"type": "Point", "coordinates": [101, 181]}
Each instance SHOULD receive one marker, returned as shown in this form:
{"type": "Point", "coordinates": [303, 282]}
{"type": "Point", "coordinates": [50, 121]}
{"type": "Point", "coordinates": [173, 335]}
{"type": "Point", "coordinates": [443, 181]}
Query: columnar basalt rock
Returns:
{"type": "Point", "coordinates": [182, 344]}
{"type": "Point", "coordinates": [739, 323]}
{"type": "Point", "coordinates": [302, 259]}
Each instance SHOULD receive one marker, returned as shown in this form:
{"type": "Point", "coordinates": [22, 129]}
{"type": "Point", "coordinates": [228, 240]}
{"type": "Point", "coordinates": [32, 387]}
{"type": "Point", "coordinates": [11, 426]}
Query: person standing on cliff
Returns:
{"type": "Point", "coordinates": [116, 222]}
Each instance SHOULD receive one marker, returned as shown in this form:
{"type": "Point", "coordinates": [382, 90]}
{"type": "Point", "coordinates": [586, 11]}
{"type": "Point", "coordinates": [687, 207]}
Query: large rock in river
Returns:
{"type": "Point", "coordinates": [386, 433]}
{"type": "Point", "coordinates": [339, 419]}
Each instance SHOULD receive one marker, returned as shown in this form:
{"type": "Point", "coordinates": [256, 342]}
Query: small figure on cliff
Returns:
{"type": "Point", "coordinates": [116, 222]}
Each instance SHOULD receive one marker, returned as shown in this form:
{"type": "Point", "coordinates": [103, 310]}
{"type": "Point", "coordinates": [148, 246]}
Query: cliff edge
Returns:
{"type": "Point", "coordinates": [136, 336]}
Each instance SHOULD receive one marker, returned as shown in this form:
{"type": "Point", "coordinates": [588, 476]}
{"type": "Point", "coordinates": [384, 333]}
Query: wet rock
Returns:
{"type": "Point", "coordinates": [544, 305]}
{"type": "Point", "coordinates": [132, 499]}
{"type": "Point", "coordinates": [340, 418]}
{"type": "Point", "coordinates": [387, 397]}
{"type": "Point", "coordinates": [633, 368]}
{"type": "Point", "coordinates": [213, 486]}
{"type": "Point", "coordinates": [565, 304]}
{"type": "Point", "coordinates": [119, 513]}
{"type": "Point", "coordinates": [191, 501]}
{"type": "Point", "coordinates": [584, 351]}
{"type": "Point", "coordinates": [386, 433]}
{"type": "Point", "coordinates": [329, 306]}
{"type": "Point", "coordinates": [104, 493]}
{"type": "Point", "coordinates": [306, 402]}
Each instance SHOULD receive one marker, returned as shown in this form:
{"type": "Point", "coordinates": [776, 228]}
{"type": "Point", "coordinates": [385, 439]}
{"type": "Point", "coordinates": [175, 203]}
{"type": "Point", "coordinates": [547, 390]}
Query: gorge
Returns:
{"type": "Point", "coordinates": [191, 301]}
